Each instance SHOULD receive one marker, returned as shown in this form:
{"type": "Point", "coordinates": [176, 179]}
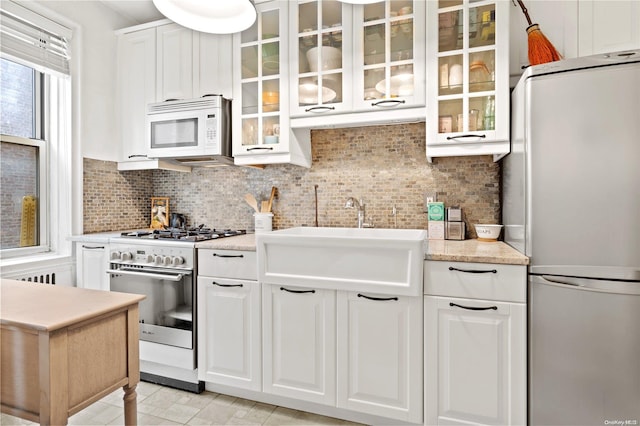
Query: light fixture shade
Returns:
{"type": "Point", "coordinates": [210, 16]}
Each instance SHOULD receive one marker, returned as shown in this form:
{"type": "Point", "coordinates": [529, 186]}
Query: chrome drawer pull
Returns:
{"type": "Point", "coordinates": [471, 308]}
{"type": "Point", "coordinates": [382, 299]}
{"type": "Point", "coordinates": [297, 291]}
{"type": "Point", "coordinates": [474, 271]}
{"type": "Point", "coordinates": [227, 255]}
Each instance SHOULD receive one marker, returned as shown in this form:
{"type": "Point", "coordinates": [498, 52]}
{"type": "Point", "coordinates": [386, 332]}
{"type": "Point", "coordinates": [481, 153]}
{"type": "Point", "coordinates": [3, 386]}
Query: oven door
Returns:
{"type": "Point", "coordinates": [167, 313]}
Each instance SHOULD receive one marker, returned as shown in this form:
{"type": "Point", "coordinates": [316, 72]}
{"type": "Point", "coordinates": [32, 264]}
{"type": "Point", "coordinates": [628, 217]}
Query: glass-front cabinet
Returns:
{"type": "Point", "coordinates": [389, 46]}
{"type": "Point", "coordinates": [319, 59]}
{"type": "Point", "coordinates": [468, 85]}
{"type": "Point", "coordinates": [260, 103]}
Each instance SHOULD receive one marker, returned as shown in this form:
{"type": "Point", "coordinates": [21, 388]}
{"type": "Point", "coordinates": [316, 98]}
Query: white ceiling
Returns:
{"type": "Point", "coordinates": [138, 11]}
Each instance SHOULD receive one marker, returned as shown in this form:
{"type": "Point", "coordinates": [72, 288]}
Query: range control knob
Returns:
{"type": "Point", "coordinates": [157, 259]}
{"type": "Point", "coordinates": [166, 260]}
{"type": "Point", "coordinates": [178, 260]}
{"type": "Point", "coordinates": [150, 258]}
{"type": "Point", "coordinates": [125, 255]}
{"type": "Point", "coordinates": [115, 255]}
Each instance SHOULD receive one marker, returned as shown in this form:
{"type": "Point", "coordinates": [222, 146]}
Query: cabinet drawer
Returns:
{"type": "Point", "coordinates": [227, 264]}
{"type": "Point", "coordinates": [476, 280]}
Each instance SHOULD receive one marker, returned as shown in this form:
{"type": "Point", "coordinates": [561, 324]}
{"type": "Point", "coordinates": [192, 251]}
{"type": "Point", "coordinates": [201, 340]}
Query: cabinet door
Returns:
{"type": "Point", "coordinates": [475, 361]}
{"type": "Point", "coordinates": [468, 85]}
{"type": "Point", "coordinates": [215, 65]}
{"type": "Point", "coordinates": [299, 343]}
{"type": "Point", "coordinates": [229, 332]}
{"type": "Point", "coordinates": [610, 26]}
{"type": "Point", "coordinates": [389, 61]}
{"type": "Point", "coordinates": [380, 355]}
{"type": "Point", "coordinates": [321, 54]}
{"type": "Point", "coordinates": [260, 92]}
{"type": "Point", "coordinates": [92, 262]}
{"type": "Point", "coordinates": [137, 88]}
{"type": "Point", "coordinates": [175, 58]}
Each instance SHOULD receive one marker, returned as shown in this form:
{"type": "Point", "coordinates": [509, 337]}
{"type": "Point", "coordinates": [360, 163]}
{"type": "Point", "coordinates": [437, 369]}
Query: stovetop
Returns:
{"type": "Point", "coordinates": [188, 235]}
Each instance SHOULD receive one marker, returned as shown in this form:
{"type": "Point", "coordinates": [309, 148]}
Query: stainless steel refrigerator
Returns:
{"type": "Point", "coordinates": [571, 202]}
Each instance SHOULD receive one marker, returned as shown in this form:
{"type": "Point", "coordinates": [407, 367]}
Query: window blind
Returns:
{"type": "Point", "coordinates": [31, 37]}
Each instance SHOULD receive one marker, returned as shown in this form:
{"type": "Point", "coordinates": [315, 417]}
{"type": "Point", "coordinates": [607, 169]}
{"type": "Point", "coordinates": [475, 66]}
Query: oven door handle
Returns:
{"type": "Point", "coordinates": [168, 277]}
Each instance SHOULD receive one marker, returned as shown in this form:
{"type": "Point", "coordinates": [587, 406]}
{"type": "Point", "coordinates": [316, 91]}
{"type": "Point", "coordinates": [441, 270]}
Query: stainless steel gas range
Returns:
{"type": "Point", "coordinates": [161, 265]}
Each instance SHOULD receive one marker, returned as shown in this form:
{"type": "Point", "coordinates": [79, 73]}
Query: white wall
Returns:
{"type": "Point", "coordinates": [94, 74]}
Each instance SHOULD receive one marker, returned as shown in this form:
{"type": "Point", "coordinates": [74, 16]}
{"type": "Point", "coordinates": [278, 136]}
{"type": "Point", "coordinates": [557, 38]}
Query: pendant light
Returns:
{"type": "Point", "coordinates": [210, 16]}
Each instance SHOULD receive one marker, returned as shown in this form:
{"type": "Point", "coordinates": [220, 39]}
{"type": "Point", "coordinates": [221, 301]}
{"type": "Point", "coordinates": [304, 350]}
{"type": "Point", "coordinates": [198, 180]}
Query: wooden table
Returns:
{"type": "Point", "coordinates": [63, 348]}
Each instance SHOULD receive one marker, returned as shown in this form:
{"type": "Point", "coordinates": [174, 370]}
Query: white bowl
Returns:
{"type": "Point", "coordinates": [400, 85]}
{"type": "Point", "coordinates": [488, 232]}
{"type": "Point", "coordinates": [308, 94]}
{"type": "Point", "coordinates": [331, 58]}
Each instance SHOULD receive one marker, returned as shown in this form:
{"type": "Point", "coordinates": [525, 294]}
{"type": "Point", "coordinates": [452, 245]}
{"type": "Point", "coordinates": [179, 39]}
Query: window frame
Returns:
{"type": "Point", "coordinates": [41, 123]}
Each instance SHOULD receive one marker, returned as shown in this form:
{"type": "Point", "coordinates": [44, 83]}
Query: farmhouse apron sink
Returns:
{"type": "Point", "coordinates": [385, 261]}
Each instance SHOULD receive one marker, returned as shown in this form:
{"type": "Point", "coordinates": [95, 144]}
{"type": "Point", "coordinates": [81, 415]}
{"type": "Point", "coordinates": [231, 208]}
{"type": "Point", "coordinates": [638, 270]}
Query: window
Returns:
{"type": "Point", "coordinates": [23, 158]}
{"type": "Point", "coordinates": [35, 128]}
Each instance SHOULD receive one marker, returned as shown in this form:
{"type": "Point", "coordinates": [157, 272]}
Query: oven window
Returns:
{"type": "Point", "coordinates": [166, 314]}
{"type": "Point", "coordinates": [174, 133]}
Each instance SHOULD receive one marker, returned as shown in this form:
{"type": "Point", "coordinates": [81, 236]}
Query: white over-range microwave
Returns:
{"type": "Point", "coordinates": [190, 131]}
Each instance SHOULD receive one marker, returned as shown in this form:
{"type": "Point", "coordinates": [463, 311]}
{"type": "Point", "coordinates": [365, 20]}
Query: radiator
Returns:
{"type": "Point", "coordinates": [49, 278]}
{"type": "Point", "coordinates": [60, 274]}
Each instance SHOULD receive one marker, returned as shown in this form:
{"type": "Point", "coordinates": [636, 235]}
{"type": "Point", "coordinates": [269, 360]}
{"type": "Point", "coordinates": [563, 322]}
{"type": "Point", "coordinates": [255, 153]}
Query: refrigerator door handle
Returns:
{"type": "Point", "coordinates": [588, 284]}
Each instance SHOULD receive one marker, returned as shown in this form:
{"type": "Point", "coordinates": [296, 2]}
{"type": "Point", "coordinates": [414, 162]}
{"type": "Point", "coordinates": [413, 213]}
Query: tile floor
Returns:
{"type": "Point", "coordinates": [159, 405]}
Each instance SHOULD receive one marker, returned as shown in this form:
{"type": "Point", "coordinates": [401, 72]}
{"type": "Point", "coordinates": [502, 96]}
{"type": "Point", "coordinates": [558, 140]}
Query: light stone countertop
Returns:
{"type": "Point", "coordinates": [96, 238]}
{"type": "Point", "coordinates": [246, 242]}
{"type": "Point", "coordinates": [474, 251]}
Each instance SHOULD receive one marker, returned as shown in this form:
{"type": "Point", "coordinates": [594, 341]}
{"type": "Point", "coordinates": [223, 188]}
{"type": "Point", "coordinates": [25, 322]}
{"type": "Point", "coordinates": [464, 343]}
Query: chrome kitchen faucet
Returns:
{"type": "Point", "coordinates": [351, 203]}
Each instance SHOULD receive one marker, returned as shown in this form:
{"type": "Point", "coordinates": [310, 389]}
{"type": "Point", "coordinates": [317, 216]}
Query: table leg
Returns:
{"type": "Point", "coordinates": [130, 405]}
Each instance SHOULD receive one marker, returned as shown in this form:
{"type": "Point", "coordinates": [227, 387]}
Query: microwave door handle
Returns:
{"type": "Point", "coordinates": [168, 277]}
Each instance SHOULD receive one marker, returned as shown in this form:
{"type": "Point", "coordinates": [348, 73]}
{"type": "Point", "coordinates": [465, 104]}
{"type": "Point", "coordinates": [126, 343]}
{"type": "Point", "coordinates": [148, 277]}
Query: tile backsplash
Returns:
{"type": "Point", "coordinates": [386, 166]}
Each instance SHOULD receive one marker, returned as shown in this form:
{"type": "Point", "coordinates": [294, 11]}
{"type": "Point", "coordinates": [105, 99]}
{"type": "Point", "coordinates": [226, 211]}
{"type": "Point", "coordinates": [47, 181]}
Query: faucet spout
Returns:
{"type": "Point", "coordinates": [353, 203]}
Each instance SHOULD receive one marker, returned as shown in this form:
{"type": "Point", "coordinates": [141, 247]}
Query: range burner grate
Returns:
{"type": "Point", "coordinates": [192, 234]}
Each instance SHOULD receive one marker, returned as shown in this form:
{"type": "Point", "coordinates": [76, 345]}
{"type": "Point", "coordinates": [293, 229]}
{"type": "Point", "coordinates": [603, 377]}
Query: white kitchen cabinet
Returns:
{"type": "Point", "coordinates": [177, 62]}
{"type": "Point", "coordinates": [373, 63]}
{"type": "Point", "coordinates": [229, 335]}
{"type": "Point", "coordinates": [215, 65]}
{"type": "Point", "coordinates": [320, 56]}
{"type": "Point", "coordinates": [389, 61]}
{"type": "Point", "coordinates": [608, 26]}
{"type": "Point", "coordinates": [468, 78]}
{"type": "Point", "coordinates": [92, 262]}
{"type": "Point", "coordinates": [475, 343]}
{"type": "Point", "coordinates": [299, 343]}
{"type": "Point", "coordinates": [380, 355]}
{"type": "Point", "coordinates": [261, 130]}
{"type": "Point", "coordinates": [160, 61]}
{"type": "Point", "coordinates": [229, 319]}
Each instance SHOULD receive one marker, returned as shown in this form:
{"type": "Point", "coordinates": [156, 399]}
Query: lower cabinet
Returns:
{"type": "Point", "coordinates": [361, 352]}
{"type": "Point", "coordinates": [380, 355]}
{"type": "Point", "coordinates": [475, 347]}
{"type": "Point", "coordinates": [229, 320]}
{"type": "Point", "coordinates": [299, 333]}
{"type": "Point", "coordinates": [92, 262]}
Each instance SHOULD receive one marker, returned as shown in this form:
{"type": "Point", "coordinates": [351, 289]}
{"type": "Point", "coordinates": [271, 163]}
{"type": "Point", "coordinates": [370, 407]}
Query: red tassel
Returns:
{"type": "Point", "coordinates": [541, 50]}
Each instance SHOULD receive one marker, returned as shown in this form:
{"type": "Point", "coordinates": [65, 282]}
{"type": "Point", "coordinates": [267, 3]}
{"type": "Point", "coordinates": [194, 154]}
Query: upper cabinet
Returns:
{"type": "Point", "coordinates": [608, 26]}
{"type": "Point", "coordinates": [161, 61]}
{"type": "Point", "coordinates": [261, 131]}
{"type": "Point", "coordinates": [389, 55]}
{"type": "Point", "coordinates": [321, 63]}
{"type": "Point", "coordinates": [357, 64]}
{"type": "Point", "coordinates": [468, 78]}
